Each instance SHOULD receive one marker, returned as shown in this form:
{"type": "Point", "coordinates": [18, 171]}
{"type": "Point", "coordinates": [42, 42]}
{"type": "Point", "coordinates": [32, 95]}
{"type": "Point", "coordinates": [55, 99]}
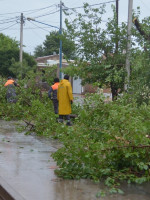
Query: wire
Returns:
{"type": "Point", "coordinates": [7, 19]}
{"type": "Point", "coordinates": [36, 34]}
{"type": "Point", "coordinates": [39, 9]}
{"type": "Point", "coordinates": [30, 28]}
{"type": "Point", "coordinates": [39, 27]}
{"type": "Point", "coordinates": [8, 27]}
{"type": "Point", "coordinates": [146, 6]}
{"type": "Point", "coordinates": [7, 22]}
{"type": "Point", "coordinates": [47, 14]}
{"type": "Point", "coordinates": [91, 5]}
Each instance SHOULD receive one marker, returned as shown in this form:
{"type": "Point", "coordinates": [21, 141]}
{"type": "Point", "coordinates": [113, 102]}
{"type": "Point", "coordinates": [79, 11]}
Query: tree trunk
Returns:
{"type": "Point", "coordinates": [114, 91]}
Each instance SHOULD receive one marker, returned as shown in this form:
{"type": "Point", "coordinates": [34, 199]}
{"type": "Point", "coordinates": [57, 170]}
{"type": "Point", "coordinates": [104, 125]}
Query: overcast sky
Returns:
{"type": "Point", "coordinates": [47, 11]}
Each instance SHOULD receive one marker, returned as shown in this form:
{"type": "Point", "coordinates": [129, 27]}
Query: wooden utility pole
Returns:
{"type": "Point", "coordinates": [21, 41]}
{"type": "Point", "coordinates": [117, 8]}
{"type": "Point", "coordinates": [60, 50]}
{"type": "Point", "coordinates": [128, 54]}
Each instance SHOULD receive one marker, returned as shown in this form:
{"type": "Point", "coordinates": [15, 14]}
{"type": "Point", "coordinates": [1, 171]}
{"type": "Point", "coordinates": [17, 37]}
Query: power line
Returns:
{"type": "Point", "coordinates": [8, 27]}
{"type": "Point", "coordinates": [36, 34]}
{"type": "Point", "coordinates": [46, 14]}
{"type": "Point", "coordinates": [7, 22]}
{"type": "Point", "coordinates": [7, 19]}
{"type": "Point", "coordinates": [97, 4]}
{"type": "Point", "coordinates": [146, 6]}
{"type": "Point", "coordinates": [42, 9]}
{"type": "Point", "coordinates": [30, 28]}
{"type": "Point", "coordinates": [36, 10]}
{"type": "Point", "coordinates": [39, 27]}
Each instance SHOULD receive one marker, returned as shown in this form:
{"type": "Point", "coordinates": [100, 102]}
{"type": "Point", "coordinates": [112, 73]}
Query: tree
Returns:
{"type": "Point", "coordinates": [6, 43]}
{"type": "Point", "coordinates": [19, 70]}
{"type": "Point", "coordinates": [9, 58]}
{"type": "Point", "coordinates": [52, 44]}
{"type": "Point", "coordinates": [140, 76]}
{"type": "Point", "coordinates": [5, 61]}
{"type": "Point", "coordinates": [39, 51]}
{"type": "Point", "coordinates": [98, 60]}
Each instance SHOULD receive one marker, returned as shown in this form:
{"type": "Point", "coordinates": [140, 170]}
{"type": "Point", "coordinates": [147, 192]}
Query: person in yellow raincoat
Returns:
{"type": "Point", "coordinates": [65, 99]}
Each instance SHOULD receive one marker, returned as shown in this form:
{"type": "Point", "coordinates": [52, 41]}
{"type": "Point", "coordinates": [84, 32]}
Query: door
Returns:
{"type": "Point", "coordinates": [77, 87]}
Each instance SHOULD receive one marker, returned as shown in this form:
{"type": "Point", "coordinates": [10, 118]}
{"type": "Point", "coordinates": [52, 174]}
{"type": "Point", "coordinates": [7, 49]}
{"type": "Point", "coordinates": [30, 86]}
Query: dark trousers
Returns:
{"type": "Point", "coordinates": [55, 103]}
{"type": "Point", "coordinates": [67, 117]}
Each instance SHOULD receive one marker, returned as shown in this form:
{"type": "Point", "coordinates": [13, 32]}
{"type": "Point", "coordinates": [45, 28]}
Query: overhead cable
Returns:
{"type": "Point", "coordinates": [39, 27]}
{"type": "Point", "coordinates": [8, 27]}
{"type": "Point", "coordinates": [7, 22]}
{"type": "Point", "coordinates": [7, 19]}
{"type": "Point", "coordinates": [91, 5]}
{"type": "Point", "coordinates": [41, 10]}
{"type": "Point", "coordinates": [47, 14]}
{"type": "Point", "coordinates": [38, 9]}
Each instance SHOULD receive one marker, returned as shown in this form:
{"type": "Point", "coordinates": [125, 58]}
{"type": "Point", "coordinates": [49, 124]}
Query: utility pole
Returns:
{"type": "Point", "coordinates": [60, 50]}
{"type": "Point", "coordinates": [117, 8]}
{"type": "Point", "coordinates": [21, 40]}
{"type": "Point", "coordinates": [128, 54]}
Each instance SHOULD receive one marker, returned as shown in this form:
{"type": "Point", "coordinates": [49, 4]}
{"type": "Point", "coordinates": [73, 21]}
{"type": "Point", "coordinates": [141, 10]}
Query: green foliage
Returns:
{"type": "Point", "coordinates": [5, 60]}
{"type": "Point", "coordinates": [9, 58]}
{"type": "Point", "coordinates": [101, 52]}
{"type": "Point", "coordinates": [6, 43]}
{"type": "Point", "coordinates": [108, 142]}
{"type": "Point", "coordinates": [139, 84]}
{"type": "Point", "coordinates": [98, 58]}
{"type": "Point", "coordinates": [33, 106]}
{"type": "Point", "coordinates": [20, 70]}
{"type": "Point", "coordinates": [52, 44]}
{"type": "Point", "coordinates": [39, 51]}
{"type": "Point", "coordinates": [49, 74]}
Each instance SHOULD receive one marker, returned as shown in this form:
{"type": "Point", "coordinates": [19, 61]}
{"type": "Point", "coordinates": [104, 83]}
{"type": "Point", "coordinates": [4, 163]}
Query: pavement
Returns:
{"type": "Point", "coordinates": [27, 169]}
{"type": "Point", "coordinates": [27, 172]}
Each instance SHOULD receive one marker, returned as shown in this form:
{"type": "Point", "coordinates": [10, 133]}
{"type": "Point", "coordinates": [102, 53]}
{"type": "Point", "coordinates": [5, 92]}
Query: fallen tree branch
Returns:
{"type": "Point", "coordinates": [29, 124]}
{"type": "Point", "coordinates": [128, 146]}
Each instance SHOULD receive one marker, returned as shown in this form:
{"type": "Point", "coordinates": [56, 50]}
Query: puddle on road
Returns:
{"type": "Point", "coordinates": [22, 150]}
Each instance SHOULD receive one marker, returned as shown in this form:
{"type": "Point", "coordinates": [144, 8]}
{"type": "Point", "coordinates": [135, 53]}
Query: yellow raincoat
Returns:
{"type": "Point", "coordinates": [64, 96]}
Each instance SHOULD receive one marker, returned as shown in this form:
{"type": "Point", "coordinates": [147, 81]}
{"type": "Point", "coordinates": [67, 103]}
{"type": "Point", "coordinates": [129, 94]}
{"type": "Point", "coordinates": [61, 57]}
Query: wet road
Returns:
{"type": "Point", "coordinates": [26, 166]}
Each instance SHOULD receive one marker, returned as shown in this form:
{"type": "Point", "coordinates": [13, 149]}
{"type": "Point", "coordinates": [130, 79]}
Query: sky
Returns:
{"type": "Point", "coordinates": [47, 11]}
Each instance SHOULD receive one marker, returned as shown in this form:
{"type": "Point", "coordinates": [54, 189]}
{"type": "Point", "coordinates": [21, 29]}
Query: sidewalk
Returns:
{"type": "Point", "coordinates": [27, 170]}
{"type": "Point", "coordinates": [26, 165]}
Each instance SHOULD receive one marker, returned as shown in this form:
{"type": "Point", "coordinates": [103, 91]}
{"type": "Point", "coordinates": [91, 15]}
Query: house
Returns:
{"type": "Point", "coordinates": [50, 60]}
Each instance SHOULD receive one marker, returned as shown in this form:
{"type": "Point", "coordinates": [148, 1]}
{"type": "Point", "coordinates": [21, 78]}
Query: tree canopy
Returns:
{"type": "Point", "coordinates": [98, 59]}
{"type": "Point", "coordinates": [9, 58]}
{"type": "Point", "coordinates": [6, 43]}
{"type": "Point", "coordinates": [52, 44]}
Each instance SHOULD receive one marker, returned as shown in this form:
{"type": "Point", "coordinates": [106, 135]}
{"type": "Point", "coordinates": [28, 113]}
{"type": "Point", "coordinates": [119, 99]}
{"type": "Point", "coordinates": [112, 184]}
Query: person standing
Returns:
{"type": "Point", "coordinates": [11, 91]}
{"type": "Point", "coordinates": [52, 94]}
{"type": "Point", "coordinates": [65, 99]}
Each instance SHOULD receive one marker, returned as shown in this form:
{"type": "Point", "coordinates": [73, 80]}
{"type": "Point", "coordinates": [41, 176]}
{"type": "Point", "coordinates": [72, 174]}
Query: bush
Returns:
{"type": "Point", "coordinates": [108, 142]}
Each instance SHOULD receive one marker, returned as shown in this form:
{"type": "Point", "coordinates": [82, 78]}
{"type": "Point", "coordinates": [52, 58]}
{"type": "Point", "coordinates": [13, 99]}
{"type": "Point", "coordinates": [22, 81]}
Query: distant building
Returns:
{"type": "Point", "coordinates": [48, 61]}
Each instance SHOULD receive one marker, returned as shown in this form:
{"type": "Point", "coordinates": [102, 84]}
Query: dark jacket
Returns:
{"type": "Point", "coordinates": [52, 93]}
{"type": "Point", "coordinates": [11, 92]}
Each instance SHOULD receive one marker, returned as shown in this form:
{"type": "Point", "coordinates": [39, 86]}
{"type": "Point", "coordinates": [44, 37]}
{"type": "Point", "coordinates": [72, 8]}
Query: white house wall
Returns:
{"type": "Point", "coordinates": [77, 87]}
